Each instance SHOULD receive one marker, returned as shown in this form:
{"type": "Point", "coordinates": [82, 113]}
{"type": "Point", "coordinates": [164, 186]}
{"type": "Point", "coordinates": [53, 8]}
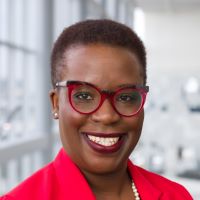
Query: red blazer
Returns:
{"type": "Point", "coordinates": [62, 180]}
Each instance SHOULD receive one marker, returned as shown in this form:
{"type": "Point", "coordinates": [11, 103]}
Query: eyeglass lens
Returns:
{"type": "Point", "coordinates": [128, 101]}
{"type": "Point", "coordinates": [85, 98]}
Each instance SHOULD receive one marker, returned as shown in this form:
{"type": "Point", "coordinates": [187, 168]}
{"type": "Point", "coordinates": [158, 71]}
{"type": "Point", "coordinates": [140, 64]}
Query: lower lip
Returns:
{"type": "Point", "coordinates": [105, 149]}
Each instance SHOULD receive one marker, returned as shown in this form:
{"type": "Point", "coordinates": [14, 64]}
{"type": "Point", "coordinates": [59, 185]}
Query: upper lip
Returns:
{"type": "Point", "coordinates": [103, 134]}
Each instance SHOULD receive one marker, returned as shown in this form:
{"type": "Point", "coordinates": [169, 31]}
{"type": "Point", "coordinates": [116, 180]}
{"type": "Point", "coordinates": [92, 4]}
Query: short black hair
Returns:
{"type": "Point", "coordinates": [103, 31]}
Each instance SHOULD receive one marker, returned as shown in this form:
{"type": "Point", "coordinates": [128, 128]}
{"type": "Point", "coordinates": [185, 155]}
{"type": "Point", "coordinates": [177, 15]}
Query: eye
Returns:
{"type": "Point", "coordinates": [83, 96]}
{"type": "Point", "coordinates": [128, 97]}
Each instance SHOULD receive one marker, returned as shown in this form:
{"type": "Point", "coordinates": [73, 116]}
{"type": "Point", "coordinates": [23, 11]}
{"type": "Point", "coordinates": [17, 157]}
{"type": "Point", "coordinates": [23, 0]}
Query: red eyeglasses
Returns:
{"type": "Point", "coordinates": [86, 98]}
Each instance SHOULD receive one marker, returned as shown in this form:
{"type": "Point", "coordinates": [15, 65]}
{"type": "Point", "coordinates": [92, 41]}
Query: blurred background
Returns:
{"type": "Point", "coordinates": [170, 29]}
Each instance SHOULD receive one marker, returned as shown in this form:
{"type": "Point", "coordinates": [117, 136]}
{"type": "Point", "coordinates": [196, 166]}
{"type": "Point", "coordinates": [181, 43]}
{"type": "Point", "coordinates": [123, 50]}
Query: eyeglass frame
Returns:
{"type": "Point", "coordinates": [105, 94]}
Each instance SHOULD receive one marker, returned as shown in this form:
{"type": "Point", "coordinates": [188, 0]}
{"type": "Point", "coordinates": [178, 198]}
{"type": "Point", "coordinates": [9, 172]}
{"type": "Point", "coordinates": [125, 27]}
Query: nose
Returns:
{"type": "Point", "coordinates": [106, 114]}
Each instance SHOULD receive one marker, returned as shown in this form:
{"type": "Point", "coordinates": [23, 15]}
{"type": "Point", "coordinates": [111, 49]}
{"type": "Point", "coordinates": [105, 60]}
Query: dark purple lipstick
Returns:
{"type": "Point", "coordinates": [102, 148]}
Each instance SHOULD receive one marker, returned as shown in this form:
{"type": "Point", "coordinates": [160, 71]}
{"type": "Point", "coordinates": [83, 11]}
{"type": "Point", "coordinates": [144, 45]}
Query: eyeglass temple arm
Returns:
{"type": "Point", "coordinates": [61, 84]}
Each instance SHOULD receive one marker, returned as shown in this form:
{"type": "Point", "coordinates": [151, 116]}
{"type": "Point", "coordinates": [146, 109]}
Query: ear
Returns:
{"type": "Point", "coordinates": [53, 94]}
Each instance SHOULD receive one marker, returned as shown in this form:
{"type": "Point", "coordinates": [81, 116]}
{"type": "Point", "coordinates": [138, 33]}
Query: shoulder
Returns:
{"type": "Point", "coordinates": [33, 186]}
{"type": "Point", "coordinates": [167, 187]}
{"type": "Point", "coordinates": [6, 197]}
{"type": "Point", "coordinates": [157, 179]}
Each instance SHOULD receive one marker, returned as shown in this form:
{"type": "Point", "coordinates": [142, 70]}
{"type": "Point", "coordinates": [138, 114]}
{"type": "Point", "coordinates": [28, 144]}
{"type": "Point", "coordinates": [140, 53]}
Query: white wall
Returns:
{"type": "Point", "coordinates": [173, 41]}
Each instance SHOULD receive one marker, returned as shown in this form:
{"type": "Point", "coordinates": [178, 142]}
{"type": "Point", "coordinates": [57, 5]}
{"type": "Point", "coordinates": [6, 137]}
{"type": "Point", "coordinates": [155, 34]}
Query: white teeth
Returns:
{"type": "Point", "coordinates": [105, 141]}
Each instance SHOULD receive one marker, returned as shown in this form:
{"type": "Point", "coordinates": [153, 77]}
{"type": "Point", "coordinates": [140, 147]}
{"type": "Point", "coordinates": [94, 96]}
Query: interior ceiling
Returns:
{"type": "Point", "coordinates": [164, 5]}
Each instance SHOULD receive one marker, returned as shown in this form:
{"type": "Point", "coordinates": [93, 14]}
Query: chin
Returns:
{"type": "Point", "coordinates": [105, 165]}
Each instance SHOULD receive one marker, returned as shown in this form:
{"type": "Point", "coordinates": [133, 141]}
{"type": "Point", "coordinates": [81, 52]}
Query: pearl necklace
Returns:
{"type": "Point", "coordinates": [136, 194]}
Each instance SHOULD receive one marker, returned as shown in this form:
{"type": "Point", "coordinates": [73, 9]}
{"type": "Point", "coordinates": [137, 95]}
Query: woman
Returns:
{"type": "Point", "coordinates": [99, 80]}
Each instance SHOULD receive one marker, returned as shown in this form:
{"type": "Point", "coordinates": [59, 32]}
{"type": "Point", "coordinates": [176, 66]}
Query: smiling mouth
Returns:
{"type": "Point", "coordinates": [105, 142]}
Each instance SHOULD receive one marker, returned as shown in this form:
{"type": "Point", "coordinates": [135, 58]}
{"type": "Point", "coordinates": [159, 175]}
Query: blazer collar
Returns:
{"type": "Point", "coordinates": [73, 185]}
{"type": "Point", "coordinates": [143, 185]}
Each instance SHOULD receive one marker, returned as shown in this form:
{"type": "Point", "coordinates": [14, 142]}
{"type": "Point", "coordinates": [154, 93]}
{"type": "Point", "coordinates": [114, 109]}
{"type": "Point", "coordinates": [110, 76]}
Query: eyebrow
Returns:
{"type": "Point", "coordinates": [128, 85]}
{"type": "Point", "coordinates": [118, 86]}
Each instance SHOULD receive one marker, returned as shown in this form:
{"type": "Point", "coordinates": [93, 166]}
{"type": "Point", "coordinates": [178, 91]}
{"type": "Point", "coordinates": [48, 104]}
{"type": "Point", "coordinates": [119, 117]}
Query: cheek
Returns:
{"type": "Point", "coordinates": [73, 120]}
{"type": "Point", "coordinates": [70, 120]}
{"type": "Point", "coordinates": [70, 123]}
{"type": "Point", "coordinates": [135, 125]}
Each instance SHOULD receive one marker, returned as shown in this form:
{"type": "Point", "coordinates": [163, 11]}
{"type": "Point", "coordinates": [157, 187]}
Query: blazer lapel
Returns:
{"type": "Point", "coordinates": [144, 187]}
{"type": "Point", "coordinates": [72, 183]}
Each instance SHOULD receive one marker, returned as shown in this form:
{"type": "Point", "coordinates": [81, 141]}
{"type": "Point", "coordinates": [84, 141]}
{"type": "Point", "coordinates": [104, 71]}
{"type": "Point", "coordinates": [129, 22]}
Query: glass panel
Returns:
{"type": "Point", "coordinates": [3, 88]}
{"type": "Point", "coordinates": [3, 19]}
{"type": "Point", "coordinates": [18, 22]}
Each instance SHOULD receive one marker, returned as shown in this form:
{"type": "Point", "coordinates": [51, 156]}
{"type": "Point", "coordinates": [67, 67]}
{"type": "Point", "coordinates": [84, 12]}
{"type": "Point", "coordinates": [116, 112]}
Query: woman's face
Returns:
{"type": "Point", "coordinates": [106, 67]}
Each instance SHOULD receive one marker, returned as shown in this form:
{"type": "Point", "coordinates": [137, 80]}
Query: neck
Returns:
{"type": "Point", "coordinates": [109, 183]}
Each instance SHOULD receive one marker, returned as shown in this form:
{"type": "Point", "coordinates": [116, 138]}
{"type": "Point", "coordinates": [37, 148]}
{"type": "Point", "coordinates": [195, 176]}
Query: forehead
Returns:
{"type": "Point", "coordinates": [100, 62]}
